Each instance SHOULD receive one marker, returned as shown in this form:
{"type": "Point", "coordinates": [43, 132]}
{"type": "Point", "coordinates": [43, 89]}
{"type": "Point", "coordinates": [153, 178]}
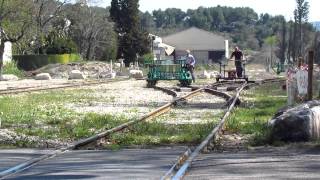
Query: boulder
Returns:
{"type": "Point", "coordinates": [214, 74]}
{"type": "Point", "coordinates": [137, 74]}
{"type": "Point", "coordinates": [117, 65]}
{"type": "Point", "coordinates": [43, 76]}
{"type": "Point", "coordinates": [9, 77]}
{"type": "Point", "coordinates": [108, 75]}
{"type": "Point", "coordinates": [204, 75]}
{"type": "Point", "coordinates": [76, 74]}
{"type": "Point", "coordinates": [301, 123]}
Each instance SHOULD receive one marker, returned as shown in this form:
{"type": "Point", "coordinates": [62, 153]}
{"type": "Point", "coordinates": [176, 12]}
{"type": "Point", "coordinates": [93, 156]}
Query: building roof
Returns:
{"type": "Point", "coordinates": [195, 39]}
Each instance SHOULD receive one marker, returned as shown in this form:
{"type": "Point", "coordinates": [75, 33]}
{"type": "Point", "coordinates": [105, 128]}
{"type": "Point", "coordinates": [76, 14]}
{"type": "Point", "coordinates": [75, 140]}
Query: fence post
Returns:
{"type": "Point", "coordinates": [310, 74]}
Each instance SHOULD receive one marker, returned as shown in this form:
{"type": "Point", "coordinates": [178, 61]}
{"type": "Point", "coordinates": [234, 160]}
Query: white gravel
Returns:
{"type": "Point", "coordinates": [202, 108]}
{"type": "Point", "coordinates": [130, 98]}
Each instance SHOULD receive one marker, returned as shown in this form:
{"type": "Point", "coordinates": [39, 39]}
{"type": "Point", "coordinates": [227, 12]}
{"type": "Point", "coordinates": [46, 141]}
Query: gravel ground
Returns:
{"type": "Point", "coordinates": [130, 98]}
{"type": "Point", "coordinates": [202, 108]}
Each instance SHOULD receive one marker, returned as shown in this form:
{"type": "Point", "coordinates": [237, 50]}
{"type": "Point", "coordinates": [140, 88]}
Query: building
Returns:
{"type": "Point", "coordinates": [207, 47]}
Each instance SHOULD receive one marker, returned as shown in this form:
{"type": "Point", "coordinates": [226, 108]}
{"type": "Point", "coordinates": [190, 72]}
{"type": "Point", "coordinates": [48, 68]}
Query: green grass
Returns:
{"type": "Point", "coordinates": [44, 115]}
{"type": "Point", "coordinates": [157, 133]}
{"type": "Point", "coordinates": [252, 117]}
{"type": "Point", "coordinates": [11, 68]}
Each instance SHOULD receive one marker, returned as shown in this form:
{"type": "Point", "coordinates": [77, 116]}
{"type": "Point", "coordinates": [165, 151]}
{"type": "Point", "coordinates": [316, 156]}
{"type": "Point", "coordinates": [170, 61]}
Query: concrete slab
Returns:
{"type": "Point", "coordinates": [123, 164]}
{"type": "Point", "coordinates": [289, 164]}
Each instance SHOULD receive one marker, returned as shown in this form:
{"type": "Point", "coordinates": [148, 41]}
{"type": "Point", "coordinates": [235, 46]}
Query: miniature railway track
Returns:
{"type": "Point", "coordinates": [58, 86]}
{"type": "Point", "coordinates": [180, 168]}
{"type": "Point", "coordinates": [188, 156]}
{"type": "Point", "coordinates": [77, 145]}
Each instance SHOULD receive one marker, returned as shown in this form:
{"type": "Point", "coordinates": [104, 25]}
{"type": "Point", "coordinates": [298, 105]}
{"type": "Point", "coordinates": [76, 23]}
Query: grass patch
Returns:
{"type": "Point", "coordinates": [12, 68]}
{"type": "Point", "coordinates": [157, 133]}
{"type": "Point", "coordinates": [44, 115]}
{"type": "Point", "coordinates": [252, 117]}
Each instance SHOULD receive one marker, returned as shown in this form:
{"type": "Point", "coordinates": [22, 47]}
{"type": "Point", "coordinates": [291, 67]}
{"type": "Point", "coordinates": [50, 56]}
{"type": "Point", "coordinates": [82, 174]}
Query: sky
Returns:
{"type": "Point", "coordinates": [273, 7]}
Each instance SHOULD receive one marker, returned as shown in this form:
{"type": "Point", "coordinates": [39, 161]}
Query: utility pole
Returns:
{"type": "Point", "coordinates": [310, 74]}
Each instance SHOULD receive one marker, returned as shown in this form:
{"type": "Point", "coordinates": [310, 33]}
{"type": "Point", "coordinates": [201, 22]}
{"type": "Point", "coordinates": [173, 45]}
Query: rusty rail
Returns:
{"type": "Point", "coordinates": [182, 171]}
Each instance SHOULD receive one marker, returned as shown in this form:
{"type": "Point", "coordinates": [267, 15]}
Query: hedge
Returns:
{"type": "Point", "coordinates": [32, 62]}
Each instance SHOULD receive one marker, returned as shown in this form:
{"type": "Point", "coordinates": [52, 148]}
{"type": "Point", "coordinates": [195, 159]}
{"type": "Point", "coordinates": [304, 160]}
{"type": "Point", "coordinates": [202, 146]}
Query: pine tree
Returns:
{"type": "Point", "coordinates": [132, 40]}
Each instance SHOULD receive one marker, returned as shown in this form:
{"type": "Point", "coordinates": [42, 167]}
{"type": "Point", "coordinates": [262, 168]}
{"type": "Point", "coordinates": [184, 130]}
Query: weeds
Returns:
{"type": "Point", "coordinates": [12, 68]}
{"type": "Point", "coordinates": [252, 118]}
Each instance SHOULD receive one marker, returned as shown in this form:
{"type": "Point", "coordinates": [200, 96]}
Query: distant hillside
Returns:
{"type": "Point", "coordinates": [317, 25]}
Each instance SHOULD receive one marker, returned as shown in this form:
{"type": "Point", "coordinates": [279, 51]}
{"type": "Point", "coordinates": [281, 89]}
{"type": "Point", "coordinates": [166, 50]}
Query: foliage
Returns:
{"type": "Point", "coordinates": [131, 39]}
{"type": "Point", "coordinates": [148, 58]}
{"type": "Point", "coordinates": [12, 68]}
{"type": "Point", "coordinates": [60, 45]}
{"type": "Point", "coordinates": [32, 62]}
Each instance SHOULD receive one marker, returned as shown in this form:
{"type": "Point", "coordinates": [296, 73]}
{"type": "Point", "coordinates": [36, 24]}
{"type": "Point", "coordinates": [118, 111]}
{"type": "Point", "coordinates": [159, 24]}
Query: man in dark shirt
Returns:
{"type": "Point", "coordinates": [238, 56]}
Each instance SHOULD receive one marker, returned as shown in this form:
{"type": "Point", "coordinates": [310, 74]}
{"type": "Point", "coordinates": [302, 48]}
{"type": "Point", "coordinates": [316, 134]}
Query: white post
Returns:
{"type": "Point", "coordinates": [226, 43]}
{"type": "Point", "coordinates": [111, 66]}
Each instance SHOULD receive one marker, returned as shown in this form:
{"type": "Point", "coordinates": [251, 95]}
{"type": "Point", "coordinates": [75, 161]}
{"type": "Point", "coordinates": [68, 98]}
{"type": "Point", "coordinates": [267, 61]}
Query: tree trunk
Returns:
{"type": "Point", "coordinates": [1, 57]}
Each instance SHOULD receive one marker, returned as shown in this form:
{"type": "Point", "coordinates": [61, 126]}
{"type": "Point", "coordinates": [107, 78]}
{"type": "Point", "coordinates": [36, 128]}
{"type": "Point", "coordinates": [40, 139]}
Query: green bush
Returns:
{"type": "Point", "coordinates": [148, 58]}
{"type": "Point", "coordinates": [32, 62]}
{"type": "Point", "coordinates": [61, 46]}
{"type": "Point", "coordinates": [12, 68]}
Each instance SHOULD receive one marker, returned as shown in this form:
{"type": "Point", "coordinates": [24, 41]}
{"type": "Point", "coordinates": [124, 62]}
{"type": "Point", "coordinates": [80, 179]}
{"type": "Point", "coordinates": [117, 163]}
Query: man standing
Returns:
{"type": "Point", "coordinates": [238, 56]}
{"type": "Point", "coordinates": [190, 62]}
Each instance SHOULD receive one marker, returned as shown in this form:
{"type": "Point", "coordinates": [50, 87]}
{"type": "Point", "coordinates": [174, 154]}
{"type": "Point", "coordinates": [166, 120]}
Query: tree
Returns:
{"type": "Point", "coordinates": [45, 11]}
{"type": "Point", "coordinates": [15, 20]}
{"type": "Point", "coordinates": [132, 40]}
{"type": "Point", "coordinates": [283, 42]}
{"type": "Point", "coordinates": [271, 42]}
{"type": "Point", "coordinates": [92, 31]}
{"type": "Point", "coordinates": [301, 15]}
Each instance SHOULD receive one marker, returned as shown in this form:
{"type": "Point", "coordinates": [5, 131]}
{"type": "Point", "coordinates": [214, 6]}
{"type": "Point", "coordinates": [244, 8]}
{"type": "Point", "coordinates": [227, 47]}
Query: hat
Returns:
{"type": "Point", "coordinates": [188, 51]}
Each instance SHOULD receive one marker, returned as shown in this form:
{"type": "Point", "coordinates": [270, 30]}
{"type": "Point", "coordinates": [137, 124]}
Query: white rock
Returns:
{"type": "Point", "coordinates": [214, 74]}
{"type": "Point", "coordinates": [9, 77]}
{"type": "Point", "coordinates": [108, 75]}
{"type": "Point", "coordinates": [76, 74]}
{"type": "Point", "coordinates": [117, 65]}
{"type": "Point", "coordinates": [137, 74]}
{"type": "Point", "coordinates": [43, 76]}
{"type": "Point", "coordinates": [204, 75]}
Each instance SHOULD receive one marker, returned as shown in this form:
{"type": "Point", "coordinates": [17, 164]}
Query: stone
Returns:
{"type": "Point", "coordinates": [43, 76]}
{"type": "Point", "coordinates": [137, 74]}
{"type": "Point", "coordinates": [108, 75]}
{"type": "Point", "coordinates": [204, 75]}
{"type": "Point", "coordinates": [214, 74]}
{"type": "Point", "coordinates": [117, 65]}
{"type": "Point", "coordinates": [301, 123]}
{"type": "Point", "coordinates": [76, 74]}
{"type": "Point", "coordinates": [9, 77]}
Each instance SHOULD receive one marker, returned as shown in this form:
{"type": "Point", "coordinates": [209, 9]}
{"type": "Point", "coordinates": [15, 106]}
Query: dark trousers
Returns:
{"type": "Point", "coordinates": [239, 70]}
{"type": "Point", "coordinates": [191, 69]}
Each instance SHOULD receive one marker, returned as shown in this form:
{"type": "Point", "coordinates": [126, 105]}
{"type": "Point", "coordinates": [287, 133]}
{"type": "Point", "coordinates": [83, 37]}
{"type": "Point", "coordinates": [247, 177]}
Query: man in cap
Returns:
{"type": "Point", "coordinates": [238, 56]}
{"type": "Point", "coordinates": [191, 61]}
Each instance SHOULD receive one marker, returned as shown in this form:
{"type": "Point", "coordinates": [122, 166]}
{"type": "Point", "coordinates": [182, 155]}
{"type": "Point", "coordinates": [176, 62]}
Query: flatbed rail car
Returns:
{"type": "Point", "coordinates": [168, 70]}
{"type": "Point", "coordinates": [230, 74]}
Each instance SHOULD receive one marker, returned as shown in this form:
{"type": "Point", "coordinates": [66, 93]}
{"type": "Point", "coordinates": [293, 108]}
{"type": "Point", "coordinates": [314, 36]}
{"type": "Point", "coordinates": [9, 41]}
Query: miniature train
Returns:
{"type": "Point", "coordinates": [168, 70]}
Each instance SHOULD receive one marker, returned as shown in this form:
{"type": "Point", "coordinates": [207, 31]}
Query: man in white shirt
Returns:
{"type": "Point", "coordinates": [190, 62]}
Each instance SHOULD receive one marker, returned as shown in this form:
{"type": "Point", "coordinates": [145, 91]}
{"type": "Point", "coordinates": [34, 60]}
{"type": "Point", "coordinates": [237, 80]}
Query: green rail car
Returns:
{"type": "Point", "coordinates": [168, 70]}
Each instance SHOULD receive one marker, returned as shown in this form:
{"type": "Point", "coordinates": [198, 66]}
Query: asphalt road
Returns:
{"type": "Point", "coordinates": [9, 157]}
{"type": "Point", "coordinates": [297, 163]}
{"type": "Point", "coordinates": [122, 164]}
